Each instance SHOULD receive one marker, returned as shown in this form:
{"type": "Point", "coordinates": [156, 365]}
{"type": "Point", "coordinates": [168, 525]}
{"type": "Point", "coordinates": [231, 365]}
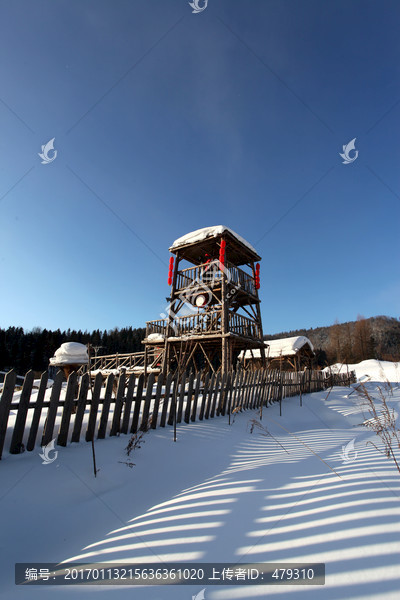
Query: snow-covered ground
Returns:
{"type": "Point", "coordinates": [219, 494]}
{"type": "Point", "coordinates": [375, 370]}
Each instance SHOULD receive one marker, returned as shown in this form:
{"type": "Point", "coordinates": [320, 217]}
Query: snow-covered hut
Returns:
{"type": "Point", "coordinates": [287, 353]}
{"type": "Point", "coordinates": [69, 357]}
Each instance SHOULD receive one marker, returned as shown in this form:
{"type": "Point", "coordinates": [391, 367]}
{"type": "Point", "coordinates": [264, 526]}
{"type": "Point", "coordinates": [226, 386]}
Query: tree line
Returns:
{"type": "Point", "coordinates": [376, 337]}
{"type": "Point", "coordinates": [353, 341]}
{"type": "Point", "coordinates": [24, 350]}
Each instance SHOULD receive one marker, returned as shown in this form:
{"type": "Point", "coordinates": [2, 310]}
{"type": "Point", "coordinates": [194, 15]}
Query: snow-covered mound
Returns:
{"type": "Point", "coordinates": [376, 370]}
{"type": "Point", "coordinates": [70, 353]}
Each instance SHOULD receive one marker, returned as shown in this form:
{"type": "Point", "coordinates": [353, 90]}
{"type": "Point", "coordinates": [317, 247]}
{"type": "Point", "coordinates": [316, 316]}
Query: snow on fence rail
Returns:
{"type": "Point", "coordinates": [121, 404]}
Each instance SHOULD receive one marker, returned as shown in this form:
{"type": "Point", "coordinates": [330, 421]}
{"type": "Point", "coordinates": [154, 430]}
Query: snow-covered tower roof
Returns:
{"type": "Point", "coordinates": [192, 246]}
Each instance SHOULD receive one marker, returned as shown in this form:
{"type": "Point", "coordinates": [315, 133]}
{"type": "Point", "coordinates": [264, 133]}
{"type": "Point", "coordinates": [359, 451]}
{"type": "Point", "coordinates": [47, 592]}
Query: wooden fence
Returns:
{"type": "Point", "coordinates": [68, 411]}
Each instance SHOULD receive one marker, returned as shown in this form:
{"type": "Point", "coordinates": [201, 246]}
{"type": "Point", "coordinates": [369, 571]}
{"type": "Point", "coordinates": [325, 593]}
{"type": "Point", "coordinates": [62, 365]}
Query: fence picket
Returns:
{"type": "Point", "coordinates": [173, 403]}
{"type": "Point", "coordinates": [119, 400]}
{"type": "Point", "coordinates": [101, 434]}
{"type": "Point", "coordinates": [204, 397]}
{"type": "Point", "coordinates": [154, 417]}
{"type": "Point", "coordinates": [67, 411]}
{"type": "Point", "coordinates": [37, 411]}
{"type": "Point", "coordinates": [215, 396]}
{"type": "Point", "coordinates": [210, 396]}
{"type": "Point", "coordinates": [181, 399]}
{"type": "Point", "coordinates": [128, 404]}
{"type": "Point", "coordinates": [5, 405]}
{"type": "Point", "coordinates": [247, 391]}
{"type": "Point", "coordinates": [221, 398]}
{"type": "Point", "coordinates": [52, 410]}
{"type": "Point", "coordinates": [137, 404]}
{"type": "Point", "coordinates": [166, 400]}
{"type": "Point", "coordinates": [80, 408]}
{"type": "Point", "coordinates": [189, 399]}
{"type": "Point", "coordinates": [146, 408]}
{"type": "Point", "coordinates": [94, 405]}
{"type": "Point", "coordinates": [195, 398]}
{"type": "Point", "coordinates": [19, 427]}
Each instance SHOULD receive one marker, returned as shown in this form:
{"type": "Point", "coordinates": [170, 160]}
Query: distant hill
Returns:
{"type": "Point", "coordinates": [376, 337]}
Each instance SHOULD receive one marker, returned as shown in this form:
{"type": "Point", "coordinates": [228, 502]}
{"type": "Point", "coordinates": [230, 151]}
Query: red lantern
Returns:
{"type": "Point", "coordinates": [170, 270]}
{"type": "Point", "coordinates": [222, 252]}
{"type": "Point", "coordinates": [257, 277]}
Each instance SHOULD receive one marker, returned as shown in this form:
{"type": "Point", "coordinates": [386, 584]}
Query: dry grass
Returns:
{"type": "Point", "coordinates": [382, 420]}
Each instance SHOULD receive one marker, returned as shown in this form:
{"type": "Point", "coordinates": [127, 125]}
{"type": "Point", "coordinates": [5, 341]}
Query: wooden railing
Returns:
{"type": "Point", "coordinates": [130, 362]}
{"type": "Point", "coordinates": [115, 361]}
{"type": "Point", "coordinates": [36, 415]}
{"type": "Point", "coordinates": [205, 323]}
{"type": "Point", "coordinates": [210, 276]}
{"type": "Point", "coordinates": [241, 325]}
{"type": "Point", "coordinates": [199, 323]}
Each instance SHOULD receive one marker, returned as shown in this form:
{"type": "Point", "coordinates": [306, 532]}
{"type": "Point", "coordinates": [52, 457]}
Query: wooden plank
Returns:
{"type": "Point", "coordinates": [166, 400]}
{"type": "Point", "coordinates": [80, 408]}
{"type": "Point", "coordinates": [255, 391]}
{"type": "Point", "coordinates": [173, 403]}
{"type": "Point", "coordinates": [221, 395]}
{"type": "Point", "coordinates": [189, 398]}
{"type": "Point", "coordinates": [204, 397]}
{"type": "Point", "coordinates": [233, 377]}
{"type": "Point", "coordinates": [181, 398]}
{"type": "Point", "coordinates": [243, 390]}
{"type": "Point", "coordinates": [128, 404]}
{"type": "Point", "coordinates": [144, 426]}
{"type": "Point", "coordinates": [251, 390]}
{"type": "Point", "coordinates": [119, 401]}
{"type": "Point", "coordinates": [94, 405]}
{"type": "Point", "coordinates": [101, 434]}
{"type": "Point", "coordinates": [17, 446]}
{"type": "Point", "coordinates": [236, 392]}
{"type": "Point", "coordinates": [137, 404]}
{"type": "Point", "coordinates": [37, 411]}
{"type": "Point", "coordinates": [154, 417]}
{"type": "Point", "coordinates": [52, 410]}
{"type": "Point", "coordinates": [210, 395]}
{"type": "Point", "coordinates": [227, 390]}
{"type": "Point", "coordinates": [215, 396]}
{"type": "Point", "coordinates": [228, 401]}
{"type": "Point", "coordinates": [195, 399]}
{"type": "Point", "coordinates": [67, 410]}
{"type": "Point", "coordinates": [5, 404]}
{"type": "Point", "coordinates": [264, 389]}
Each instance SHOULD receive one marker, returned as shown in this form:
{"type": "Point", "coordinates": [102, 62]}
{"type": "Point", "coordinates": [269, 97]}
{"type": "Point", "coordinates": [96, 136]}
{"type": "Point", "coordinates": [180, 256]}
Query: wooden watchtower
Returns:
{"type": "Point", "coordinates": [213, 309]}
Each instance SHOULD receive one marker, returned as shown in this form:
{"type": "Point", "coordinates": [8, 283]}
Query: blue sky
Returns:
{"type": "Point", "coordinates": [166, 121]}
